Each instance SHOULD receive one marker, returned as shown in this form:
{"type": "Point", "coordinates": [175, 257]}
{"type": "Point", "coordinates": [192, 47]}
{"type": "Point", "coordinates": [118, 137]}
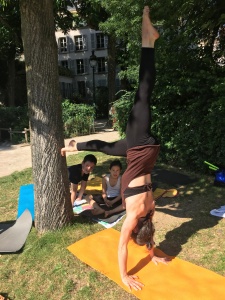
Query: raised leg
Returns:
{"type": "Point", "coordinates": [138, 131]}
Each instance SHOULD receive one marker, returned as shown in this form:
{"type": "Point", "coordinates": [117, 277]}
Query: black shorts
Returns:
{"type": "Point", "coordinates": [131, 191]}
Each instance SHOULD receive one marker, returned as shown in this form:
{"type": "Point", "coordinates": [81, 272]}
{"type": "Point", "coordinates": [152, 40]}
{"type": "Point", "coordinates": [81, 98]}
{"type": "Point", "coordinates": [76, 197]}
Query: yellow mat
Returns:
{"type": "Point", "coordinates": [94, 186]}
{"type": "Point", "coordinates": [158, 193]}
{"type": "Point", "coordinates": [177, 280]}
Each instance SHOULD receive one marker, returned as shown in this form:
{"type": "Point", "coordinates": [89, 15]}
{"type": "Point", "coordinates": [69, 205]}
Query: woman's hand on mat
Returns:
{"type": "Point", "coordinates": [163, 260]}
{"type": "Point", "coordinates": [131, 282]}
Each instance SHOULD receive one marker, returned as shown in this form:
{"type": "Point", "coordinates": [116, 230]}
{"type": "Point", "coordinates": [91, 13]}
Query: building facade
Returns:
{"type": "Point", "coordinates": [74, 52]}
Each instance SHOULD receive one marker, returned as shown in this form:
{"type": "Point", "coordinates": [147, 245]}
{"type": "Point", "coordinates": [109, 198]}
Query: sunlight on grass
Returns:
{"type": "Point", "coordinates": [45, 269]}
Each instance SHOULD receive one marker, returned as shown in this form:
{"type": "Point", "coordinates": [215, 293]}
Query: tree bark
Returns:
{"type": "Point", "coordinates": [11, 81]}
{"type": "Point", "coordinates": [111, 69]}
{"type": "Point", "coordinates": [52, 200]}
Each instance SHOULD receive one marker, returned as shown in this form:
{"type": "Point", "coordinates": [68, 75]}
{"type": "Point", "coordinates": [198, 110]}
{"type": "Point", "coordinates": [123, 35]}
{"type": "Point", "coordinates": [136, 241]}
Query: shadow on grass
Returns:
{"type": "Point", "coordinates": [197, 197]}
{"type": "Point", "coordinates": [193, 202]}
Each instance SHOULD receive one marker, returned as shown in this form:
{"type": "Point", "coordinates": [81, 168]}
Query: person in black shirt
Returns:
{"type": "Point", "coordinates": [79, 174]}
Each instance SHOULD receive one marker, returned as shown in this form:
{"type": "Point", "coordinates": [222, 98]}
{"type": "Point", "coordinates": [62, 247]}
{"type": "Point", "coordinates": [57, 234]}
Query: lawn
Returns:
{"type": "Point", "coordinates": [46, 270]}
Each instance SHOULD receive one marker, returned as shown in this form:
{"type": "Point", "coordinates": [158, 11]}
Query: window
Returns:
{"type": "Point", "coordinates": [80, 43]}
{"type": "Point", "coordinates": [81, 66]}
{"type": "Point", "coordinates": [64, 63]}
{"type": "Point", "coordinates": [81, 88]}
{"type": "Point", "coordinates": [62, 44]}
{"type": "Point", "coordinates": [100, 41]}
{"type": "Point", "coordinates": [66, 90]}
{"type": "Point", "coordinates": [102, 64]}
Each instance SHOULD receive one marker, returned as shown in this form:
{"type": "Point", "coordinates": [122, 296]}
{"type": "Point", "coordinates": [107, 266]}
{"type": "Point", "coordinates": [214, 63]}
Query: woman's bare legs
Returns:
{"type": "Point", "coordinates": [114, 210]}
{"type": "Point", "coordinates": [97, 210]}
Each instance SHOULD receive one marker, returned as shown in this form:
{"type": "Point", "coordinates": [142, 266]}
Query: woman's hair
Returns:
{"type": "Point", "coordinates": [144, 234]}
{"type": "Point", "coordinates": [117, 163]}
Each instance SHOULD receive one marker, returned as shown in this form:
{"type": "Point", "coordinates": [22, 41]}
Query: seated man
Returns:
{"type": "Point", "coordinates": [79, 174]}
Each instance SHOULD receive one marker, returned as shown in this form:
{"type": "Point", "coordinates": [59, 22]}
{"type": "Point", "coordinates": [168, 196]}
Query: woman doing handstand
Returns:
{"type": "Point", "coordinates": [141, 149]}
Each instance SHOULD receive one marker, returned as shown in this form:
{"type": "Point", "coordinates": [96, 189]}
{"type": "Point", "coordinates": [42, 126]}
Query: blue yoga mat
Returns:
{"type": "Point", "coordinates": [26, 200]}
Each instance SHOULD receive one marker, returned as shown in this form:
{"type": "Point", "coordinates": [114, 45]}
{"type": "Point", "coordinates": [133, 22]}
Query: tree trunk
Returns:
{"type": "Point", "coordinates": [11, 81]}
{"type": "Point", "coordinates": [111, 70]}
{"type": "Point", "coordinates": [52, 200]}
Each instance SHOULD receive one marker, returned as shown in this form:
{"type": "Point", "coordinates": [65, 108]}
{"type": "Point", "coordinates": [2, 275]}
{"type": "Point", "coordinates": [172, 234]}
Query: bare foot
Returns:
{"type": "Point", "coordinates": [149, 33]}
{"type": "Point", "coordinates": [73, 144]}
{"type": "Point", "coordinates": [89, 199]}
{"type": "Point", "coordinates": [71, 148]}
{"type": "Point", "coordinates": [107, 214]}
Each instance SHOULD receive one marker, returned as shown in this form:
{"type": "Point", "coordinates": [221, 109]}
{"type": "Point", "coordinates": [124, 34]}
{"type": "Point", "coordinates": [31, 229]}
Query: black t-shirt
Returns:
{"type": "Point", "coordinates": [75, 174]}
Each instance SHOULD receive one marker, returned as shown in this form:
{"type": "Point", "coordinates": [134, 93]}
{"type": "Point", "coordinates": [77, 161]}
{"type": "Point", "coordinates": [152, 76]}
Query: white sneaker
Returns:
{"type": "Point", "coordinates": [217, 213]}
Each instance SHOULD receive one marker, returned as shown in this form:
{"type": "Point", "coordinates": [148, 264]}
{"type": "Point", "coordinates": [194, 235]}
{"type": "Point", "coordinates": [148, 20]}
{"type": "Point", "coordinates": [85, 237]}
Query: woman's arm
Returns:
{"type": "Point", "coordinates": [104, 189]}
{"type": "Point", "coordinates": [118, 198]}
{"type": "Point", "coordinates": [127, 227]}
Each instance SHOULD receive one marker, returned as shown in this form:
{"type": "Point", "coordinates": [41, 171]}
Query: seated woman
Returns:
{"type": "Point", "coordinates": [111, 192]}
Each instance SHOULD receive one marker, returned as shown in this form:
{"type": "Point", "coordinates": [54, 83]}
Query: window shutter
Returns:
{"type": "Point", "coordinates": [59, 51]}
{"type": "Point", "coordinates": [85, 42]}
{"type": "Point", "coordinates": [86, 64]}
{"type": "Point", "coordinates": [75, 66]}
{"type": "Point", "coordinates": [70, 44]}
{"type": "Point", "coordinates": [106, 64]}
{"type": "Point", "coordinates": [93, 41]}
{"type": "Point", "coordinates": [71, 65]}
{"type": "Point", "coordinates": [106, 41]}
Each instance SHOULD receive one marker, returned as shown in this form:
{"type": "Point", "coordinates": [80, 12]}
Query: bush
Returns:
{"type": "Point", "coordinates": [122, 109]}
{"type": "Point", "coordinates": [15, 118]}
{"type": "Point", "coordinates": [78, 119]}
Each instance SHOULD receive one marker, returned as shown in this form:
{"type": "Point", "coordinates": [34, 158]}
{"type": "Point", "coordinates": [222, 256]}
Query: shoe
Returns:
{"type": "Point", "coordinates": [218, 213]}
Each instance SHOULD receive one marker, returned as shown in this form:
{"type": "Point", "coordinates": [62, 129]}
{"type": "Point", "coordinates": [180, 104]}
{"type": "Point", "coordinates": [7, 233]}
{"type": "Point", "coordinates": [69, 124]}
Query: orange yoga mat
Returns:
{"type": "Point", "coordinates": [177, 280]}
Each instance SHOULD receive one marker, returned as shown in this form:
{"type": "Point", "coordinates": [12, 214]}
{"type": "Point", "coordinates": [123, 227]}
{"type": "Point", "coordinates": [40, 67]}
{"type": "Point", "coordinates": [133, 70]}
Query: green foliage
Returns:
{"type": "Point", "coordinates": [15, 118]}
{"type": "Point", "coordinates": [78, 119]}
{"type": "Point", "coordinates": [122, 109]}
{"type": "Point", "coordinates": [188, 102]}
{"type": "Point", "coordinates": [188, 93]}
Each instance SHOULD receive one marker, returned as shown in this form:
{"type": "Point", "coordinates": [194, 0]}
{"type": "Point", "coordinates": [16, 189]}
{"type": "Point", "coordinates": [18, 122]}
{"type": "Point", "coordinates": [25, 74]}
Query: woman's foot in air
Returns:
{"type": "Point", "coordinates": [149, 33]}
{"type": "Point", "coordinates": [73, 145]}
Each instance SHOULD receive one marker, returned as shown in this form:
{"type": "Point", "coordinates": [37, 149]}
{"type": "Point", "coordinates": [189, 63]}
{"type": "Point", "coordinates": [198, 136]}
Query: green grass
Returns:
{"type": "Point", "coordinates": [46, 270]}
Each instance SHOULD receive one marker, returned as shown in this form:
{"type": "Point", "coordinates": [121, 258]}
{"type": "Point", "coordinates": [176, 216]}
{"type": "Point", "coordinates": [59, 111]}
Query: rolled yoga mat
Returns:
{"type": "Point", "coordinates": [13, 238]}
